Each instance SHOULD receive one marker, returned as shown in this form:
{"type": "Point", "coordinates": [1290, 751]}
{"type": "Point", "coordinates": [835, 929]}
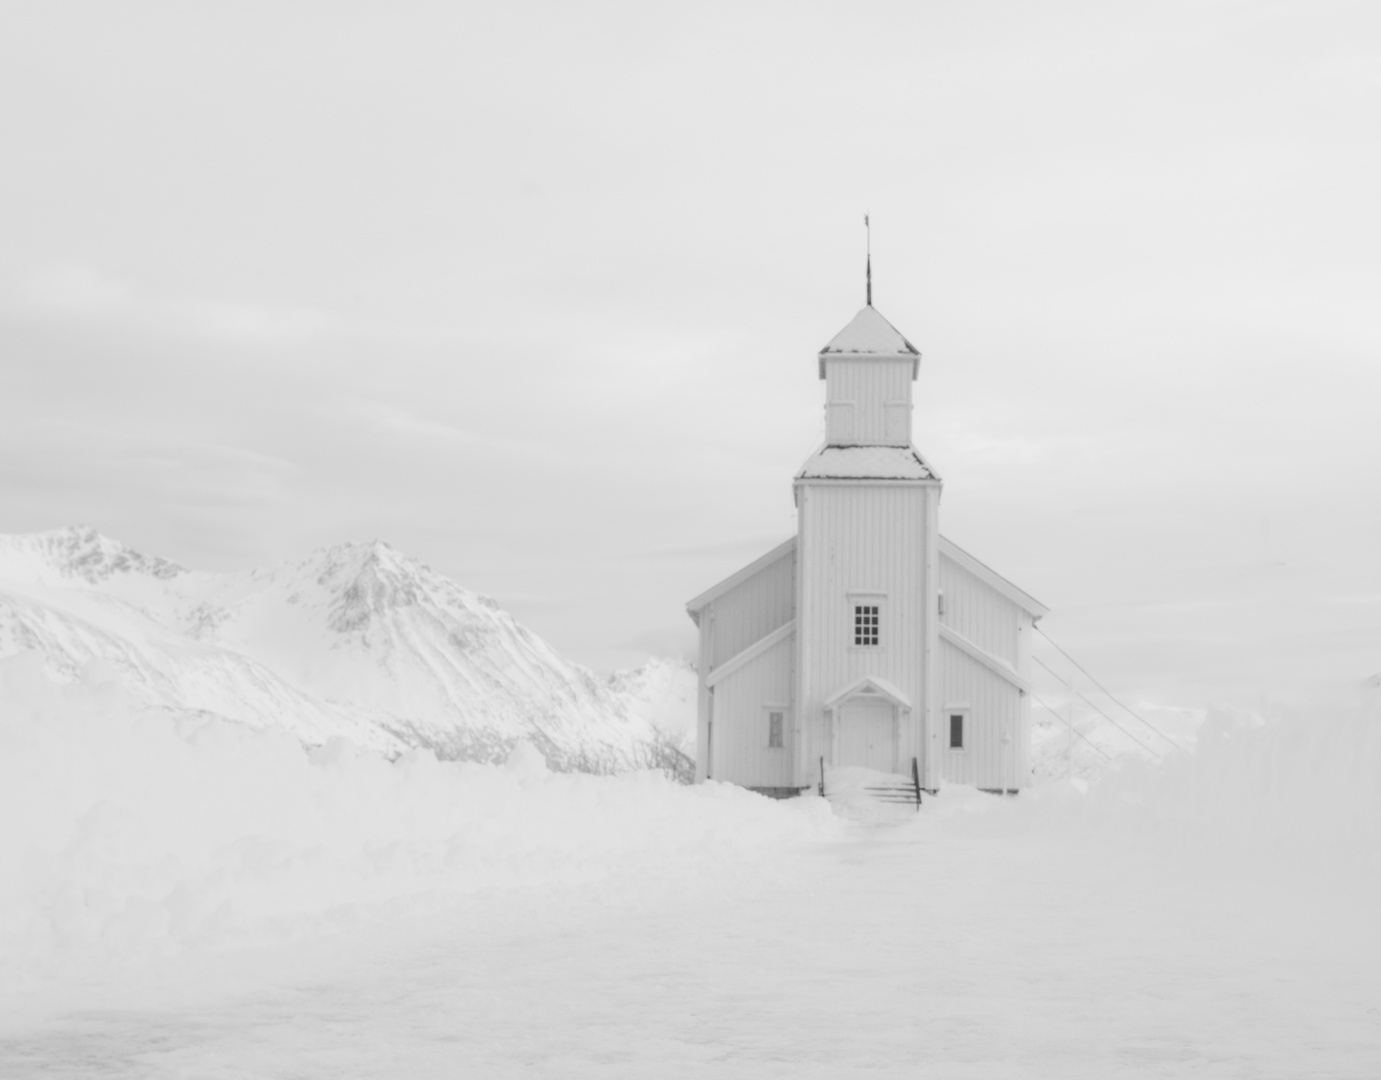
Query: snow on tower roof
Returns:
{"type": "Point", "coordinates": [866, 463]}
{"type": "Point", "coordinates": [868, 333]}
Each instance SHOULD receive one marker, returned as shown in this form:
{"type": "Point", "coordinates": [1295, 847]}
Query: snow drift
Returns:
{"type": "Point", "coordinates": [1293, 790]}
{"type": "Point", "coordinates": [128, 831]}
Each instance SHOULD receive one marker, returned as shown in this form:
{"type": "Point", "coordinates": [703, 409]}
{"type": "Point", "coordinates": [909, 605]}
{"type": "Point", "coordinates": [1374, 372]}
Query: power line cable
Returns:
{"type": "Point", "coordinates": [1074, 729]}
{"type": "Point", "coordinates": [1099, 711]}
{"type": "Point", "coordinates": [1105, 690]}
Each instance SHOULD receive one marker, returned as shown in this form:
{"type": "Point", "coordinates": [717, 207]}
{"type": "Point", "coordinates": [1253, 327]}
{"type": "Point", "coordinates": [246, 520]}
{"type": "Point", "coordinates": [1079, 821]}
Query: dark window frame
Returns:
{"type": "Point", "coordinates": [776, 729]}
{"type": "Point", "coordinates": [957, 724]}
{"type": "Point", "coordinates": [868, 625]}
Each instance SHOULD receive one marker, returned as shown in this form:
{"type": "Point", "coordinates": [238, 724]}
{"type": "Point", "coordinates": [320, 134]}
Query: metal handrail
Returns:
{"type": "Point", "coordinates": [889, 792]}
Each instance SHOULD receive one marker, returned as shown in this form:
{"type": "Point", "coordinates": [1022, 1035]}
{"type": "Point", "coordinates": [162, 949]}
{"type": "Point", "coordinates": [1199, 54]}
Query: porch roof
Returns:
{"type": "Point", "coordinates": [868, 686]}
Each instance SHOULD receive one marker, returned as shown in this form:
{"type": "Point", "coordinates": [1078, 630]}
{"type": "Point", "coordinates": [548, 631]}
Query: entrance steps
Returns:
{"type": "Point", "coordinates": [855, 791]}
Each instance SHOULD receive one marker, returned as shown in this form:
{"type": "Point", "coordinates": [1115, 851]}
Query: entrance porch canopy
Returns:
{"type": "Point", "coordinates": [869, 687]}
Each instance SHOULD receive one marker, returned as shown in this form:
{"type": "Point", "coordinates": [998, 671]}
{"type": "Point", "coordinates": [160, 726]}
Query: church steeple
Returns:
{"type": "Point", "coordinates": [868, 368]}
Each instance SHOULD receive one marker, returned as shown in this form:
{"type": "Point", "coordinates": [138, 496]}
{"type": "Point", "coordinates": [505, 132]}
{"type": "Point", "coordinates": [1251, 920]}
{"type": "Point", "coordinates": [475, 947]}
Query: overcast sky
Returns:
{"type": "Point", "coordinates": [534, 293]}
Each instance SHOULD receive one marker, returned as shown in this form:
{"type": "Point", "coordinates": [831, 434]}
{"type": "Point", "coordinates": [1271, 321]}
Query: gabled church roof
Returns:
{"type": "Point", "coordinates": [737, 578]}
{"type": "Point", "coordinates": [869, 334]}
{"type": "Point", "coordinates": [948, 550]}
{"type": "Point", "coordinates": [1024, 600]}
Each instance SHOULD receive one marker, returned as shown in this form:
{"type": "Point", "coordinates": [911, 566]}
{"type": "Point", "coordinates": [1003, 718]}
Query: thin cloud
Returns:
{"type": "Point", "coordinates": [84, 293]}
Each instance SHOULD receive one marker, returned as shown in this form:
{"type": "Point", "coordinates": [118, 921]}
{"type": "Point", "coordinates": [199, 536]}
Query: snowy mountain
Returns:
{"type": "Point", "coordinates": [355, 640]}
{"type": "Point", "coordinates": [663, 692]}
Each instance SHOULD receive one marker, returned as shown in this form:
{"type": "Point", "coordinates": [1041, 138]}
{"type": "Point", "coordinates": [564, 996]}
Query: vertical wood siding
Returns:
{"type": "Point", "coordinates": [994, 709]}
{"type": "Point", "coordinates": [729, 624]}
{"type": "Point", "coordinates": [1026, 628]}
{"type": "Point", "coordinates": [870, 385]}
{"type": "Point", "coordinates": [977, 611]}
{"type": "Point", "coordinates": [704, 704]}
{"type": "Point", "coordinates": [853, 539]}
{"type": "Point", "coordinates": [750, 611]}
{"type": "Point", "coordinates": [741, 753]}
{"type": "Point", "coordinates": [860, 537]}
{"type": "Point", "coordinates": [929, 732]}
{"type": "Point", "coordinates": [997, 710]}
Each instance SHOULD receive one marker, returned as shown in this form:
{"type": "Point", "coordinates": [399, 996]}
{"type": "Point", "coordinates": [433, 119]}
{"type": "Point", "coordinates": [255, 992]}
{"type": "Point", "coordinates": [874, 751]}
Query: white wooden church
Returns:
{"type": "Point", "coordinates": [867, 638]}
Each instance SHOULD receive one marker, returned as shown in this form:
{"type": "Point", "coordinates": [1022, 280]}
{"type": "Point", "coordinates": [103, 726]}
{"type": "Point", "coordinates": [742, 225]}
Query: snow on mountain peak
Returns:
{"type": "Point", "coordinates": [77, 551]}
{"type": "Point", "coordinates": [357, 640]}
{"type": "Point", "coordinates": [366, 580]}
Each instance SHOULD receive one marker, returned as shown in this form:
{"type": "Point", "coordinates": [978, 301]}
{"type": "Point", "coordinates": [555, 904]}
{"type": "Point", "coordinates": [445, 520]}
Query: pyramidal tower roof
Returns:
{"type": "Point", "coordinates": [868, 333]}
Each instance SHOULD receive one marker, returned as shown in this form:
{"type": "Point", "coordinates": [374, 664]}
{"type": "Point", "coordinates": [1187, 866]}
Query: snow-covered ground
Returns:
{"type": "Point", "coordinates": [201, 899]}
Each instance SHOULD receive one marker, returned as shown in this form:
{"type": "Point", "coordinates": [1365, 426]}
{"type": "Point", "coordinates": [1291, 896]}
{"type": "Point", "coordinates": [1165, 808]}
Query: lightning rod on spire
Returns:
{"type": "Point", "coordinates": [868, 228]}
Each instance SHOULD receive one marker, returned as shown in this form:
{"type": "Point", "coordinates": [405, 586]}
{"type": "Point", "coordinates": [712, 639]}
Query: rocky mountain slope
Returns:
{"type": "Point", "coordinates": [664, 693]}
{"type": "Point", "coordinates": [355, 640]}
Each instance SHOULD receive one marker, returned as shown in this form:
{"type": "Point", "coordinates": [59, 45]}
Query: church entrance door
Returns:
{"type": "Point", "coordinates": [867, 735]}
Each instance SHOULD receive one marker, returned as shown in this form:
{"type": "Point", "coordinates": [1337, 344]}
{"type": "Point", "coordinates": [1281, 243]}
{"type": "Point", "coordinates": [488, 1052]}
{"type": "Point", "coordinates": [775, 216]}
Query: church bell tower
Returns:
{"type": "Point", "coordinates": [866, 564]}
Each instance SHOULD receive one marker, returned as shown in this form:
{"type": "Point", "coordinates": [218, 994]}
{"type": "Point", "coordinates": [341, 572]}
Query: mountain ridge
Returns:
{"type": "Point", "coordinates": [355, 639]}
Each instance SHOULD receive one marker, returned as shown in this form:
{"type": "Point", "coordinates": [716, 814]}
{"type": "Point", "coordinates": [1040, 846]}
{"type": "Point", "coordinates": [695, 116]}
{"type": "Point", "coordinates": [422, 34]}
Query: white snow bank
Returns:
{"type": "Point", "coordinates": [128, 832]}
{"type": "Point", "coordinates": [1289, 796]}
{"type": "Point", "coordinates": [1289, 792]}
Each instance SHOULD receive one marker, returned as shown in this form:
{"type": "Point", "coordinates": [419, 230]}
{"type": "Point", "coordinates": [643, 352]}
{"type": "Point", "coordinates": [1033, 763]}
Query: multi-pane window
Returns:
{"type": "Point", "coordinates": [956, 731]}
{"type": "Point", "coordinates": [865, 624]}
{"type": "Point", "coordinates": [774, 729]}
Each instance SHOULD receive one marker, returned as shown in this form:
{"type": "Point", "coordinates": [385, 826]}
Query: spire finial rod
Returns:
{"type": "Point", "coordinates": [868, 229]}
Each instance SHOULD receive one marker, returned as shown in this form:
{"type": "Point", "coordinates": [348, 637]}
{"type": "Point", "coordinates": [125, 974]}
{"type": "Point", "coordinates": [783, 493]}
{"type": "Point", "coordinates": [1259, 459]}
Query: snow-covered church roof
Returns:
{"type": "Point", "coordinates": [868, 333]}
{"type": "Point", "coordinates": [866, 463]}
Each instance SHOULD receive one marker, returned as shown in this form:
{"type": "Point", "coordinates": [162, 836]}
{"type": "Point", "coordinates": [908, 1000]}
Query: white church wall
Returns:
{"type": "Point", "coordinates": [879, 392]}
{"type": "Point", "coordinates": [861, 542]}
{"type": "Point", "coordinates": [744, 613]}
{"type": "Point", "coordinates": [743, 701]}
{"type": "Point", "coordinates": [994, 622]}
{"type": "Point", "coordinates": [1026, 628]}
{"type": "Point", "coordinates": [992, 756]}
{"type": "Point", "coordinates": [704, 703]}
{"type": "Point", "coordinates": [976, 610]}
{"type": "Point", "coordinates": [750, 611]}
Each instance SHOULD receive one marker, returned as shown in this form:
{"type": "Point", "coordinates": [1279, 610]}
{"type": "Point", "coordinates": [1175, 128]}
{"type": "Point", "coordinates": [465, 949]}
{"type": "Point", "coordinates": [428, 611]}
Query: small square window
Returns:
{"type": "Point", "coordinates": [866, 624]}
{"type": "Point", "coordinates": [956, 731]}
{"type": "Point", "coordinates": [774, 730]}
